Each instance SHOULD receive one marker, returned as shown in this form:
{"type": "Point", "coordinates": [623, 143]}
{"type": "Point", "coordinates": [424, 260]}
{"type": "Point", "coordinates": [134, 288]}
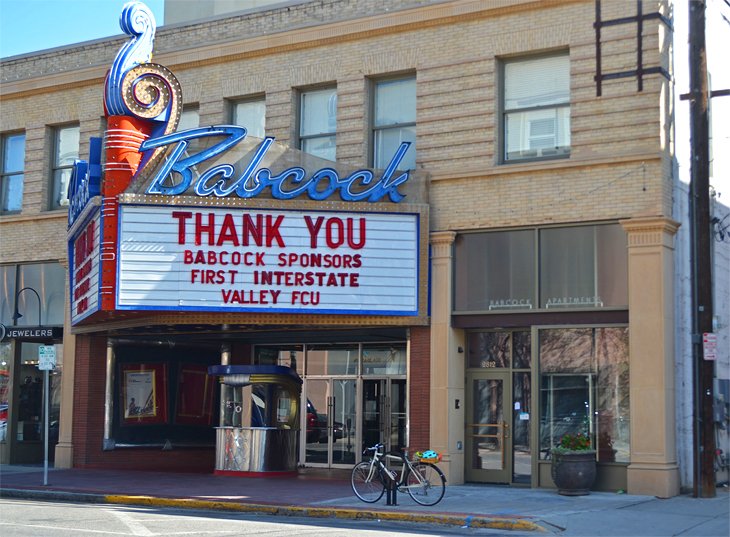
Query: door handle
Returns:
{"type": "Point", "coordinates": [505, 429]}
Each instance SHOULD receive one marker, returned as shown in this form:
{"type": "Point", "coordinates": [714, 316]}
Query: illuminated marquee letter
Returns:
{"type": "Point", "coordinates": [183, 166]}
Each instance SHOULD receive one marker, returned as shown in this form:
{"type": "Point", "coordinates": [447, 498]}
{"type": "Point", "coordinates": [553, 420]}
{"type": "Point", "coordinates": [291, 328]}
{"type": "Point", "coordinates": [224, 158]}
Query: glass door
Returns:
{"type": "Point", "coordinates": [384, 413]}
{"type": "Point", "coordinates": [330, 422]}
{"type": "Point", "coordinates": [488, 430]}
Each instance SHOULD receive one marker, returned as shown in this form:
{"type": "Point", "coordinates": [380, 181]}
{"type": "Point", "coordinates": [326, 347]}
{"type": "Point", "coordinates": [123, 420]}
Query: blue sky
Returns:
{"type": "Point", "coordinates": [32, 25]}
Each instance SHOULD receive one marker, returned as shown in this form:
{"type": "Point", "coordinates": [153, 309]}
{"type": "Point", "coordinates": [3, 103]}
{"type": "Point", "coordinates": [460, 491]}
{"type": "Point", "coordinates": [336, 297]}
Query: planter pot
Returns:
{"type": "Point", "coordinates": [574, 473]}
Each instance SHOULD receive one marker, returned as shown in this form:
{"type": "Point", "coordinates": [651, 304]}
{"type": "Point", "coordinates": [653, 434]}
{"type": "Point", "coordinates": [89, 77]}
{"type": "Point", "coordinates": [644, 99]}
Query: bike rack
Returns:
{"type": "Point", "coordinates": [392, 492]}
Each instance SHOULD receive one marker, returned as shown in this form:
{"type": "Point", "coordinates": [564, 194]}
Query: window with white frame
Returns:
{"type": "Point", "coordinates": [536, 108]}
{"type": "Point", "coordinates": [65, 152]}
{"type": "Point", "coordinates": [250, 113]}
{"type": "Point", "coordinates": [318, 122]}
{"type": "Point", "coordinates": [394, 121]}
{"type": "Point", "coordinates": [12, 156]}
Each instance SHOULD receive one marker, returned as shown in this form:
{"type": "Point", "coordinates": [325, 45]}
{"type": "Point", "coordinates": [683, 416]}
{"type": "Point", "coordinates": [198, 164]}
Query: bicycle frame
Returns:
{"type": "Point", "coordinates": [423, 481]}
{"type": "Point", "coordinates": [376, 462]}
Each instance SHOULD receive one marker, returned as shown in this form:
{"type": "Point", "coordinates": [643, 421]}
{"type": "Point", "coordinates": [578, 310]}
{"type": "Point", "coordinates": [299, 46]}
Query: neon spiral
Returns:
{"type": "Point", "coordinates": [137, 21]}
{"type": "Point", "coordinates": [151, 91]}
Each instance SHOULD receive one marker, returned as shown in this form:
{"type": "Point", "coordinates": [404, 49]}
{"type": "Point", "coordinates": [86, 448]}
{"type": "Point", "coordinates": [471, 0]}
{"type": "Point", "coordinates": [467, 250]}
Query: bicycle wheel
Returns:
{"type": "Point", "coordinates": [367, 483]}
{"type": "Point", "coordinates": [426, 483]}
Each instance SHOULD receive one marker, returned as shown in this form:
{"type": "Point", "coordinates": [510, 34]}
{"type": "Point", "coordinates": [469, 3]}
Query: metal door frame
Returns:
{"type": "Point", "coordinates": [503, 475]}
{"type": "Point", "coordinates": [329, 383]}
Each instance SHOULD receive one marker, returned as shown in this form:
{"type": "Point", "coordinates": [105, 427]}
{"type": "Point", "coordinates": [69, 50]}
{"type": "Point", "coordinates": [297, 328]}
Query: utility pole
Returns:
{"type": "Point", "coordinates": [701, 260]}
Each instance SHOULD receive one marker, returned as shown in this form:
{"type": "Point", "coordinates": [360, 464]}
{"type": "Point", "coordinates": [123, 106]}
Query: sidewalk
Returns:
{"type": "Point", "coordinates": [322, 494]}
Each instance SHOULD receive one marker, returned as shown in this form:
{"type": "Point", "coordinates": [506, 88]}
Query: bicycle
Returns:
{"type": "Point", "coordinates": [423, 481]}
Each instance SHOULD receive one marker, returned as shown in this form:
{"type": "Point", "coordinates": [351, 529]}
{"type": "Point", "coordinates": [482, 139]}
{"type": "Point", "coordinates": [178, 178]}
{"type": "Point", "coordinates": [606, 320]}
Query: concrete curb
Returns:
{"type": "Point", "coordinates": [471, 521]}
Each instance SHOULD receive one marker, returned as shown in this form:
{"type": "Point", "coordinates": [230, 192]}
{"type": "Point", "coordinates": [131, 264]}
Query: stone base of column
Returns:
{"type": "Point", "coordinates": [64, 455]}
{"type": "Point", "coordinates": [660, 480]}
{"type": "Point", "coordinates": [452, 465]}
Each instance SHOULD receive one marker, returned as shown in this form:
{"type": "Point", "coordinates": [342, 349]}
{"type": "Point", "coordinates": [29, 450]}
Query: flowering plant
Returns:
{"type": "Point", "coordinates": [571, 442]}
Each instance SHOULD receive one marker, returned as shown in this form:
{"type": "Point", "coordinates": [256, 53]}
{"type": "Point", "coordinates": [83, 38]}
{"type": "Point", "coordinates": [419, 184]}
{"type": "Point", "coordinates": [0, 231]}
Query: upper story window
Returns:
{"type": "Point", "coordinates": [12, 155]}
{"type": "Point", "coordinates": [65, 152]}
{"type": "Point", "coordinates": [394, 121]}
{"type": "Point", "coordinates": [536, 108]}
{"type": "Point", "coordinates": [318, 122]}
{"type": "Point", "coordinates": [250, 113]}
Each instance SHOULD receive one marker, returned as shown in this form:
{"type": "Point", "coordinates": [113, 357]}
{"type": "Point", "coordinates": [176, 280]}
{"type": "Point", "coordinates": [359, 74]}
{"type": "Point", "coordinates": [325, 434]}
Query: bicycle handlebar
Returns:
{"type": "Point", "coordinates": [377, 448]}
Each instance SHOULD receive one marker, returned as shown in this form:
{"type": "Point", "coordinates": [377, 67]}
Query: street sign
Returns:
{"type": "Point", "coordinates": [709, 346]}
{"type": "Point", "coordinates": [46, 357]}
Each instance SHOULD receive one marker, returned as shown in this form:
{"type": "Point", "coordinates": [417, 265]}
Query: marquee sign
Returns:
{"type": "Point", "coordinates": [161, 221]}
{"type": "Point", "coordinates": [84, 276]}
{"type": "Point", "coordinates": [262, 260]}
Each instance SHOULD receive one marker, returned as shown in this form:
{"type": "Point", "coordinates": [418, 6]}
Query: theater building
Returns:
{"type": "Point", "coordinates": [453, 219]}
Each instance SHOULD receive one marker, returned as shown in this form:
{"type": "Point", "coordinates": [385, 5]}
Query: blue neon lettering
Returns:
{"type": "Point", "coordinates": [289, 184]}
{"type": "Point", "coordinates": [183, 167]}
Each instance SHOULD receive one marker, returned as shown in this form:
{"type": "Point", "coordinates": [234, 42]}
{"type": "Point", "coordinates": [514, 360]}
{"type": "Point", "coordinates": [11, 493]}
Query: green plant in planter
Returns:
{"type": "Point", "coordinates": [574, 465]}
{"type": "Point", "coordinates": [573, 442]}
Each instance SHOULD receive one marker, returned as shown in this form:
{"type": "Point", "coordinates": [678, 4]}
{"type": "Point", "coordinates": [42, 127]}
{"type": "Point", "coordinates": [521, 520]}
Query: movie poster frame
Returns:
{"type": "Point", "coordinates": [132, 373]}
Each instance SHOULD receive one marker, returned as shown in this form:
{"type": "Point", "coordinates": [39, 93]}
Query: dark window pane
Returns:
{"type": "Point", "coordinates": [614, 418]}
{"type": "Point", "coordinates": [612, 265]}
{"type": "Point", "coordinates": [567, 350]}
{"type": "Point", "coordinates": [567, 268]}
{"type": "Point", "coordinates": [488, 349]}
{"type": "Point", "coordinates": [495, 271]}
{"type": "Point", "coordinates": [521, 350]}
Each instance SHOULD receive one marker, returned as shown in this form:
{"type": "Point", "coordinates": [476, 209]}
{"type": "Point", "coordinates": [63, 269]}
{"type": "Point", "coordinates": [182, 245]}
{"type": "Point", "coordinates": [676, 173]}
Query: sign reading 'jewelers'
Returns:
{"type": "Point", "coordinates": [216, 259]}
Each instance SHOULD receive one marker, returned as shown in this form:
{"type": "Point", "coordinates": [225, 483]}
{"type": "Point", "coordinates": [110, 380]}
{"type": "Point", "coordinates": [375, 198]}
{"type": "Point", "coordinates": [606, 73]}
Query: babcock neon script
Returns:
{"type": "Point", "coordinates": [291, 183]}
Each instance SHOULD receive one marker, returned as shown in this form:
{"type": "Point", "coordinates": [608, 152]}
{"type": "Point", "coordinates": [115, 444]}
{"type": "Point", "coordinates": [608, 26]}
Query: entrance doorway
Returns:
{"type": "Point", "coordinates": [22, 413]}
{"type": "Point", "coordinates": [384, 413]}
{"type": "Point", "coordinates": [331, 422]}
{"type": "Point", "coordinates": [499, 408]}
{"type": "Point", "coordinates": [487, 429]}
{"type": "Point", "coordinates": [355, 395]}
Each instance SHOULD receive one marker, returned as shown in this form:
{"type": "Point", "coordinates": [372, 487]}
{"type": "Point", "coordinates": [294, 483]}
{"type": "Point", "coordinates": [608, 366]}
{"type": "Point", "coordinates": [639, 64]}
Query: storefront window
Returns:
{"type": "Point", "coordinates": [164, 395]}
{"type": "Point", "coordinates": [613, 414]}
{"type": "Point", "coordinates": [46, 279]}
{"type": "Point", "coordinates": [30, 402]}
{"type": "Point", "coordinates": [332, 359]}
{"type": "Point", "coordinates": [584, 388]}
{"type": "Point", "coordinates": [383, 360]}
{"type": "Point", "coordinates": [7, 293]}
{"type": "Point", "coordinates": [283, 355]}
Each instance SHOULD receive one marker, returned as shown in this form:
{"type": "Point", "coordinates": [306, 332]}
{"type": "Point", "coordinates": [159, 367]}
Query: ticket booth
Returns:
{"type": "Point", "coordinates": [259, 419]}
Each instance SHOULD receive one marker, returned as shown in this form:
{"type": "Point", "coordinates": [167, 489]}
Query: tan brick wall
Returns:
{"type": "Point", "coordinates": [620, 154]}
{"type": "Point", "coordinates": [619, 143]}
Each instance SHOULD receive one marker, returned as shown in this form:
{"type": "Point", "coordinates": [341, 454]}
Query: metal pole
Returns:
{"type": "Point", "coordinates": [46, 411]}
{"type": "Point", "coordinates": [108, 442]}
{"type": "Point", "coordinates": [702, 307]}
